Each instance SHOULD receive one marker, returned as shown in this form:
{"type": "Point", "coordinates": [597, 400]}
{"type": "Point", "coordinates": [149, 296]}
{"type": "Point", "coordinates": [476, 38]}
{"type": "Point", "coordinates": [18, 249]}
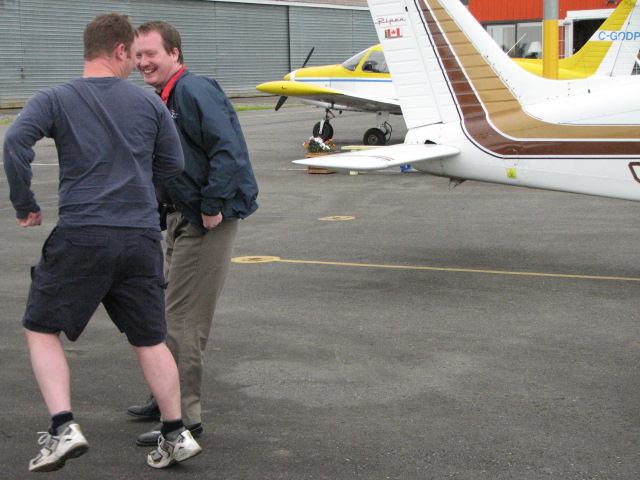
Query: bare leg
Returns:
{"type": "Point", "coordinates": [160, 371]}
{"type": "Point", "coordinates": [51, 369]}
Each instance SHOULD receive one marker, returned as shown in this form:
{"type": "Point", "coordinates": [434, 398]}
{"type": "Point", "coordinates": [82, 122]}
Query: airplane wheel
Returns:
{"type": "Point", "coordinates": [327, 131]}
{"type": "Point", "coordinates": [374, 136]}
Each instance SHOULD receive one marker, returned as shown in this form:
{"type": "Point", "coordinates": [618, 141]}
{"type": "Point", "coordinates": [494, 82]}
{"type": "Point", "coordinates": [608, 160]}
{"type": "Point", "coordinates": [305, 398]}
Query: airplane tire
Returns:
{"type": "Point", "coordinates": [374, 136]}
{"type": "Point", "coordinates": [327, 131]}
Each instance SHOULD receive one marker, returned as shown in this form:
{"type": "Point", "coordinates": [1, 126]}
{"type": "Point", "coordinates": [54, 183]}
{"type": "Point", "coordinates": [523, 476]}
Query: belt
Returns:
{"type": "Point", "coordinates": [170, 207]}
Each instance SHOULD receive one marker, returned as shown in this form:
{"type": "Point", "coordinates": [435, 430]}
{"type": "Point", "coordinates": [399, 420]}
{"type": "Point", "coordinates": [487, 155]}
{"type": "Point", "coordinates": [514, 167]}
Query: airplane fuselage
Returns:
{"type": "Point", "coordinates": [585, 143]}
{"type": "Point", "coordinates": [336, 77]}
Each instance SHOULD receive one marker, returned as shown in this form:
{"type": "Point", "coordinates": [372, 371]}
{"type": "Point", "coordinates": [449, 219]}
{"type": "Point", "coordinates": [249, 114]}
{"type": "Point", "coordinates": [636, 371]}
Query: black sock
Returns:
{"type": "Point", "coordinates": [58, 420]}
{"type": "Point", "coordinates": [172, 426]}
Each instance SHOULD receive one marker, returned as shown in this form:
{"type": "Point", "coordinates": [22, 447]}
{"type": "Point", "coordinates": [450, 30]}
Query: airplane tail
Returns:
{"type": "Point", "coordinates": [613, 48]}
{"type": "Point", "coordinates": [436, 49]}
{"type": "Point", "coordinates": [421, 86]}
{"type": "Point", "coordinates": [409, 31]}
{"type": "Point", "coordinates": [611, 51]}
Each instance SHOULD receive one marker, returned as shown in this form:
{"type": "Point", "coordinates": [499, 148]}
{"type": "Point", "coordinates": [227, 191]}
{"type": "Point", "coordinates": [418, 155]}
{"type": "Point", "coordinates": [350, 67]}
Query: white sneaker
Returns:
{"type": "Point", "coordinates": [168, 453]}
{"type": "Point", "coordinates": [58, 449]}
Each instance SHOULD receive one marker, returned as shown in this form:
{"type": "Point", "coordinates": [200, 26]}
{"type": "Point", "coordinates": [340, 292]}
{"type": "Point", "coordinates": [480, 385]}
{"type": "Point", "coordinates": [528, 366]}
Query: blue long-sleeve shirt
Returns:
{"type": "Point", "coordinates": [114, 140]}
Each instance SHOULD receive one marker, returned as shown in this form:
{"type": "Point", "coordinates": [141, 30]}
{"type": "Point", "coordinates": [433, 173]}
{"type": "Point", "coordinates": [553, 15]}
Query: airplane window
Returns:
{"type": "Point", "coordinates": [375, 63]}
{"type": "Point", "coordinates": [353, 62]}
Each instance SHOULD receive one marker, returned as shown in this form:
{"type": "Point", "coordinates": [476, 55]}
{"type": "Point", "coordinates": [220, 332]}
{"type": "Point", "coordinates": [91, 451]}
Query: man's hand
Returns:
{"type": "Point", "coordinates": [34, 219]}
{"type": "Point", "coordinates": [211, 222]}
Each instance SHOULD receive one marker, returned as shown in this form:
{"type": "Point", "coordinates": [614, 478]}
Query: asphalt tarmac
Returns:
{"type": "Point", "coordinates": [373, 326]}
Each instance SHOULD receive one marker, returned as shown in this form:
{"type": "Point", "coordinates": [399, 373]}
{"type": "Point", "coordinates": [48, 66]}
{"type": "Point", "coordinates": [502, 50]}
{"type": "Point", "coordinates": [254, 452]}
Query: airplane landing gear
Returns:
{"type": "Point", "coordinates": [374, 136]}
{"type": "Point", "coordinates": [381, 134]}
{"type": "Point", "coordinates": [323, 128]}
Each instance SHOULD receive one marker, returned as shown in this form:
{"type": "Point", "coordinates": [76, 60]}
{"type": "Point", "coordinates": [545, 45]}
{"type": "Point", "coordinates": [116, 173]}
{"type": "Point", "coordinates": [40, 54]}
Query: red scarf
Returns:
{"type": "Point", "coordinates": [166, 91]}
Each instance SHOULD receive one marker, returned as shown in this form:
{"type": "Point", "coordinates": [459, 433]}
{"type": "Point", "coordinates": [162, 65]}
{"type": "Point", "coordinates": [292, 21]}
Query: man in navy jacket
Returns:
{"type": "Point", "coordinates": [203, 205]}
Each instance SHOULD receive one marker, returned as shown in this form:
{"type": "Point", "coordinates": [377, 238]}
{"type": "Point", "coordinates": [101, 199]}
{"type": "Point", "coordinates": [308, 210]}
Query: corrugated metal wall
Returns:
{"type": "Point", "coordinates": [354, 27]}
{"type": "Point", "coordinates": [492, 10]}
{"type": "Point", "coordinates": [42, 43]}
{"type": "Point", "coordinates": [252, 43]}
{"type": "Point", "coordinates": [193, 19]}
{"type": "Point", "coordinates": [239, 44]}
{"type": "Point", "coordinates": [11, 53]}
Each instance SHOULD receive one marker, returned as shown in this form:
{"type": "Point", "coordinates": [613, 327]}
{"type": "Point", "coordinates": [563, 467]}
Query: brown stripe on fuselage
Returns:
{"type": "Point", "coordinates": [504, 117]}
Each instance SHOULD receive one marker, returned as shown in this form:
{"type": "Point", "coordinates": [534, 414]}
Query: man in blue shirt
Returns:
{"type": "Point", "coordinates": [116, 142]}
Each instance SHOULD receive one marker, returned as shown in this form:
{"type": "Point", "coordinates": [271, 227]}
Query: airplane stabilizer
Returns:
{"type": "Point", "coordinates": [382, 157]}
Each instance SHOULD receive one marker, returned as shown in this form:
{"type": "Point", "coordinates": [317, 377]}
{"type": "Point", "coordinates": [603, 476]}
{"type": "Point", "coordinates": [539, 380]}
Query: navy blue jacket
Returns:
{"type": "Point", "coordinates": [217, 176]}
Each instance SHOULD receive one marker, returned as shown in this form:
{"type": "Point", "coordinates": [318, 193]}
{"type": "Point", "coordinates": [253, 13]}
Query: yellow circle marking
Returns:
{"type": "Point", "coordinates": [336, 218]}
{"type": "Point", "coordinates": [256, 259]}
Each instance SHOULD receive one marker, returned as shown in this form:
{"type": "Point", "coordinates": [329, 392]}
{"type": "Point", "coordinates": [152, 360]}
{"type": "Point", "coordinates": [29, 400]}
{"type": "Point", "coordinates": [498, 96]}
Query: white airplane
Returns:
{"type": "Point", "coordinates": [473, 114]}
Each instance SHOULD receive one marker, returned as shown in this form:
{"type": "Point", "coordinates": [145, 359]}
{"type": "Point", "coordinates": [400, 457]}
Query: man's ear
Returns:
{"type": "Point", "coordinates": [120, 51]}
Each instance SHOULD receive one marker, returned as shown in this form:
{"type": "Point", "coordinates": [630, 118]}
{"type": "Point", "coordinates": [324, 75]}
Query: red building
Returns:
{"type": "Point", "coordinates": [517, 26]}
{"type": "Point", "coordinates": [494, 11]}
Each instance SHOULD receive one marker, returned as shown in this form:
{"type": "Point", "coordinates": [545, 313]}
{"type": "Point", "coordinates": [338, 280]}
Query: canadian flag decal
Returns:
{"type": "Point", "coordinates": [393, 32]}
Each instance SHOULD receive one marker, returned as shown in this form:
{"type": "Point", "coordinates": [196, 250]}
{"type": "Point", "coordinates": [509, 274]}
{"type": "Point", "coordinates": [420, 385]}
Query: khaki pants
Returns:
{"type": "Point", "coordinates": [195, 267]}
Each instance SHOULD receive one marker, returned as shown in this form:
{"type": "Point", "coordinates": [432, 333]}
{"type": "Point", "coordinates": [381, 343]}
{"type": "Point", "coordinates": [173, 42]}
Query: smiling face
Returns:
{"type": "Point", "coordinates": [154, 62]}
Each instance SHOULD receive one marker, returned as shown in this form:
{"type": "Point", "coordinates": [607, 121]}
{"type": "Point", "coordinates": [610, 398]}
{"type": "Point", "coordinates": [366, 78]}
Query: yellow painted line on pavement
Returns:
{"type": "Point", "coordinates": [266, 259]}
{"type": "Point", "coordinates": [337, 218]}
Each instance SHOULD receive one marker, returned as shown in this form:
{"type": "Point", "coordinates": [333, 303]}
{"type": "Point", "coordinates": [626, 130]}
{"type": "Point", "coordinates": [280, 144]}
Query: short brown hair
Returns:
{"type": "Point", "coordinates": [169, 34]}
{"type": "Point", "coordinates": [105, 32]}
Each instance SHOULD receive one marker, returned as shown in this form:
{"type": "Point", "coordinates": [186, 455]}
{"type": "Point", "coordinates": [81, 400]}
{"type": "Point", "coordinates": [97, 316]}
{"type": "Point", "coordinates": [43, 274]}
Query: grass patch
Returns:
{"type": "Point", "coordinates": [6, 121]}
{"type": "Point", "coordinates": [249, 107]}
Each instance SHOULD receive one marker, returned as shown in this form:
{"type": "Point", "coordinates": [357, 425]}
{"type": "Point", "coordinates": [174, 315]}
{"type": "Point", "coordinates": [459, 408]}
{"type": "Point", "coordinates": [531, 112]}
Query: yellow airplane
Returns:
{"type": "Point", "coordinates": [363, 83]}
{"type": "Point", "coordinates": [360, 84]}
{"type": "Point", "coordinates": [611, 51]}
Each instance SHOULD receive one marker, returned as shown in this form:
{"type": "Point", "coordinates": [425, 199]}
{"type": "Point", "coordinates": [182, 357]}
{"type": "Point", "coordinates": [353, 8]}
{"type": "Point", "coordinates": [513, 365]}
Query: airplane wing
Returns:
{"type": "Point", "coordinates": [329, 97]}
{"type": "Point", "coordinates": [382, 157]}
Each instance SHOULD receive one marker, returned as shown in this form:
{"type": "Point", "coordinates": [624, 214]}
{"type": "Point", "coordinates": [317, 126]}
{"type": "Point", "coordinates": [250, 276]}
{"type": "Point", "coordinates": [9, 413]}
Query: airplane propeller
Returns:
{"type": "Point", "coordinates": [283, 98]}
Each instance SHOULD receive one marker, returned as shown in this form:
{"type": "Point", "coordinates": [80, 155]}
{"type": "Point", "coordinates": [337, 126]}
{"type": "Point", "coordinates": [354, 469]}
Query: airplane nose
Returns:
{"type": "Point", "coordinates": [287, 77]}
